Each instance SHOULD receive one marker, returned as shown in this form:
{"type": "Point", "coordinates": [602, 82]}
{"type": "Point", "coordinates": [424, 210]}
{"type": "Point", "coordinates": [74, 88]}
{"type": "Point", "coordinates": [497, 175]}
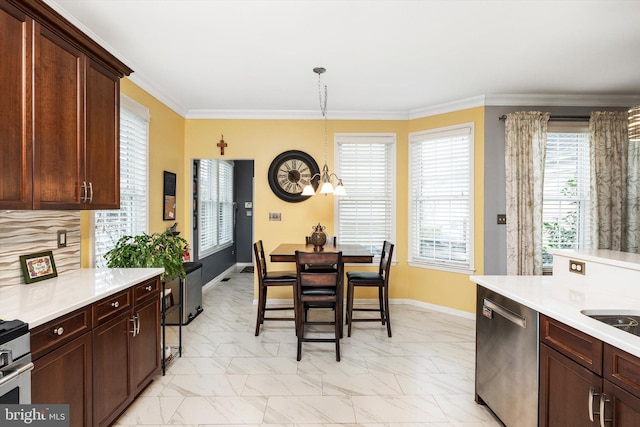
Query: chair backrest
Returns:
{"type": "Point", "coordinates": [310, 277]}
{"type": "Point", "coordinates": [261, 261]}
{"type": "Point", "coordinates": [385, 259]}
{"type": "Point", "coordinates": [331, 240]}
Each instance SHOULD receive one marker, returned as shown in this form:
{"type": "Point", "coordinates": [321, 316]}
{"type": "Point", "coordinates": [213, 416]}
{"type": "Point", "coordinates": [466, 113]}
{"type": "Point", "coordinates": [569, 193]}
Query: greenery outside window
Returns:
{"type": "Point", "coordinates": [441, 198]}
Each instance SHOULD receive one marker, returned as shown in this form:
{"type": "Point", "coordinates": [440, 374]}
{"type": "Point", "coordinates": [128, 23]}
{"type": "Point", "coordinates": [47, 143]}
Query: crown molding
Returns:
{"type": "Point", "coordinates": [158, 94]}
{"type": "Point", "coordinates": [448, 107]}
{"type": "Point", "coordinates": [550, 100]}
{"type": "Point", "coordinates": [295, 115]}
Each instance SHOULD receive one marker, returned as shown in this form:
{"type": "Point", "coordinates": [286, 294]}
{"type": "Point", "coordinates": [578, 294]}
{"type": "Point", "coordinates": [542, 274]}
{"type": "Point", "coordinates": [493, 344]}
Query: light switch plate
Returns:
{"type": "Point", "coordinates": [275, 216]}
{"type": "Point", "coordinates": [62, 238]}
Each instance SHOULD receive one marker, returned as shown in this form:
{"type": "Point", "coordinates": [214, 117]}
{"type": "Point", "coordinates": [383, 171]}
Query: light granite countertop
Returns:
{"type": "Point", "coordinates": [40, 302]}
{"type": "Point", "coordinates": [563, 299]}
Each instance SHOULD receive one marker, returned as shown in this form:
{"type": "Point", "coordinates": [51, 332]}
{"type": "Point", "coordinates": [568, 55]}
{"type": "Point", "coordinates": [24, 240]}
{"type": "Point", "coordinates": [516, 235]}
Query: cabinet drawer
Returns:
{"type": "Point", "coordinates": [109, 307]}
{"type": "Point", "coordinates": [622, 369]}
{"type": "Point", "coordinates": [146, 289]}
{"type": "Point", "coordinates": [578, 346]}
{"type": "Point", "coordinates": [45, 338]}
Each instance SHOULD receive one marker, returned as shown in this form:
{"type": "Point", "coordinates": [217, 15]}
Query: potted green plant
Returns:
{"type": "Point", "coordinates": [161, 250]}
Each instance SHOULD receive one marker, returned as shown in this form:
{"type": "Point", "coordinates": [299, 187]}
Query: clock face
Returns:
{"type": "Point", "coordinates": [290, 172]}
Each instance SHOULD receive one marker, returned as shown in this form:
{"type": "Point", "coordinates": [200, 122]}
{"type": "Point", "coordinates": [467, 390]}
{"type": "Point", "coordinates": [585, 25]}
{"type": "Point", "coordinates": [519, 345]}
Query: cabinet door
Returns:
{"type": "Point", "coordinates": [622, 407]}
{"type": "Point", "coordinates": [58, 122]}
{"type": "Point", "coordinates": [145, 346]}
{"type": "Point", "coordinates": [15, 108]}
{"type": "Point", "coordinates": [64, 376]}
{"type": "Point", "coordinates": [102, 148]}
{"type": "Point", "coordinates": [565, 391]}
{"type": "Point", "coordinates": [111, 372]}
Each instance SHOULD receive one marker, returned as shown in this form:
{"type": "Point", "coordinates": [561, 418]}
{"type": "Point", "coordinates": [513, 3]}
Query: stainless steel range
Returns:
{"type": "Point", "coordinates": [15, 362]}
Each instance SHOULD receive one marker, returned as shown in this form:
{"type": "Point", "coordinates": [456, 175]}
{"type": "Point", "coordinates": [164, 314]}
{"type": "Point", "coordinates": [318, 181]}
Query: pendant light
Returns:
{"type": "Point", "coordinates": [326, 185]}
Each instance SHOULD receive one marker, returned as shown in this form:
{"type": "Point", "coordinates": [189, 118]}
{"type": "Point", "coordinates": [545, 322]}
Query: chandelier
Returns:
{"type": "Point", "coordinates": [326, 186]}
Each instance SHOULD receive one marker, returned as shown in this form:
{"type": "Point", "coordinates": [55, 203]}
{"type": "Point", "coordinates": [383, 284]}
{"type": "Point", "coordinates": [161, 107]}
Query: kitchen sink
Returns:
{"type": "Point", "coordinates": [627, 321]}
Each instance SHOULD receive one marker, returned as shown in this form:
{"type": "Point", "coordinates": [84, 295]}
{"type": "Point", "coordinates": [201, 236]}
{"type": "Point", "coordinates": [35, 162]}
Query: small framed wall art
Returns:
{"type": "Point", "coordinates": [169, 208]}
{"type": "Point", "coordinates": [38, 266]}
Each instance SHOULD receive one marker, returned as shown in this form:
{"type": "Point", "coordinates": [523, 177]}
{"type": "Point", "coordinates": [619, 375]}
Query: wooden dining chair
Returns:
{"type": "Point", "coordinates": [318, 288]}
{"type": "Point", "coordinates": [267, 279]}
{"type": "Point", "coordinates": [379, 279]}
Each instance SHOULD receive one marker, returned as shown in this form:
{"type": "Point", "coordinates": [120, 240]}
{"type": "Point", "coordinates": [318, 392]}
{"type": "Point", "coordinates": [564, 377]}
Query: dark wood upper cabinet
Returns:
{"type": "Point", "coordinates": [15, 108]}
{"type": "Point", "coordinates": [68, 93]}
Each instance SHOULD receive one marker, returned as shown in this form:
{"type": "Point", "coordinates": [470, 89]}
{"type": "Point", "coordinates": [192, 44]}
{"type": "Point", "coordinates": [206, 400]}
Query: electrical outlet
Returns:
{"type": "Point", "coordinates": [275, 216]}
{"type": "Point", "coordinates": [502, 219]}
{"type": "Point", "coordinates": [576, 267]}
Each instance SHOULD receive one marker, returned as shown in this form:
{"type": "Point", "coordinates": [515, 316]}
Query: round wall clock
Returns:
{"type": "Point", "coordinates": [290, 172]}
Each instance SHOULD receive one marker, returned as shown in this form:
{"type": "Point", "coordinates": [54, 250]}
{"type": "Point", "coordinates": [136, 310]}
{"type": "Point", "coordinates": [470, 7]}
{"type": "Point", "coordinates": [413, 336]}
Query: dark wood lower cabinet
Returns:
{"type": "Point", "coordinates": [111, 371]}
{"type": "Point", "coordinates": [145, 358]}
{"type": "Point", "coordinates": [64, 376]}
{"type": "Point", "coordinates": [622, 408]}
{"type": "Point", "coordinates": [565, 390]}
{"type": "Point", "coordinates": [100, 357]}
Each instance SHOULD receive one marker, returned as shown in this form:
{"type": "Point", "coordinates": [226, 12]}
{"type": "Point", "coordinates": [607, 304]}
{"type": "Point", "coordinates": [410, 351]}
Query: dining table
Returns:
{"type": "Point", "coordinates": [351, 253]}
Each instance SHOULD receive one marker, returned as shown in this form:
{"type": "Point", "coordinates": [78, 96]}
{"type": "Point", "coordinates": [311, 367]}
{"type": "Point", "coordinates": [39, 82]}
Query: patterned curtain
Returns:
{"type": "Point", "coordinates": [525, 141]}
{"type": "Point", "coordinates": [610, 156]}
{"type": "Point", "coordinates": [633, 182]}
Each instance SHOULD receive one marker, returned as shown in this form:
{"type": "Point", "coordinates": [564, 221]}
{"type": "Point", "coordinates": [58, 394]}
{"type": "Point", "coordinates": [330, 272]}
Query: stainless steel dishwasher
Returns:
{"type": "Point", "coordinates": [507, 358]}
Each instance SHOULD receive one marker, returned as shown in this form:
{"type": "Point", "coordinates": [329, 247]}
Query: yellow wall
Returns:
{"type": "Point", "coordinates": [166, 152]}
{"type": "Point", "coordinates": [175, 142]}
{"type": "Point", "coordinates": [447, 289]}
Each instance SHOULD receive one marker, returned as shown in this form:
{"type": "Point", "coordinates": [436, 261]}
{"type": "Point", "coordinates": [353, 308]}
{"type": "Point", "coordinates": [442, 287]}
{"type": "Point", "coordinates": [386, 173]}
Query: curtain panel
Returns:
{"type": "Point", "coordinates": [525, 139]}
{"type": "Point", "coordinates": [610, 159]}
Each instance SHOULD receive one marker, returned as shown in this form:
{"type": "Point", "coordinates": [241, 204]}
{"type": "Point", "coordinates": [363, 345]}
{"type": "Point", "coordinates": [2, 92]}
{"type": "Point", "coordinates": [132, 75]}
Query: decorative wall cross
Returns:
{"type": "Point", "coordinates": [221, 144]}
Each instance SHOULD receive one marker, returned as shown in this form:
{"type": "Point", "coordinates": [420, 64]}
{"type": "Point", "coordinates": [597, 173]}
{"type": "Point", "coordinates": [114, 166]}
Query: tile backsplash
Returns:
{"type": "Point", "coordinates": [26, 232]}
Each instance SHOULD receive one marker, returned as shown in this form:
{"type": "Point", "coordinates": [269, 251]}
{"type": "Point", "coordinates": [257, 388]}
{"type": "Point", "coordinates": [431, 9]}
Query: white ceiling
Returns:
{"type": "Point", "coordinates": [384, 59]}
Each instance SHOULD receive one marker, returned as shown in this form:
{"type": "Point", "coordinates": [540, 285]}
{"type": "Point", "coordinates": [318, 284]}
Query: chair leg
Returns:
{"type": "Point", "coordinates": [300, 320]}
{"type": "Point", "coordinates": [350, 292]}
{"type": "Point", "coordinates": [261, 307]}
{"type": "Point", "coordinates": [386, 310]}
{"type": "Point", "coordinates": [381, 302]}
{"type": "Point", "coordinates": [338, 325]}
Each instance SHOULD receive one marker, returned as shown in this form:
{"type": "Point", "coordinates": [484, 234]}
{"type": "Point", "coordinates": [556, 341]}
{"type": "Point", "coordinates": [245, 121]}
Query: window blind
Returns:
{"type": "Point", "coordinates": [441, 198]}
{"type": "Point", "coordinates": [565, 209]}
{"type": "Point", "coordinates": [366, 214]}
{"type": "Point", "coordinates": [131, 218]}
{"type": "Point", "coordinates": [215, 196]}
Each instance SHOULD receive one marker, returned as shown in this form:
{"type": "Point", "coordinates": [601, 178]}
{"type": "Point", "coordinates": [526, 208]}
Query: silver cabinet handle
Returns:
{"type": "Point", "coordinates": [83, 193]}
{"type": "Point", "coordinates": [592, 394]}
{"type": "Point", "coordinates": [58, 331]}
{"type": "Point", "coordinates": [149, 288]}
{"type": "Point", "coordinates": [603, 400]}
{"type": "Point", "coordinates": [138, 322]}
{"type": "Point", "coordinates": [134, 332]}
{"type": "Point", "coordinates": [90, 193]}
{"type": "Point", "coordinates": [115, 304]}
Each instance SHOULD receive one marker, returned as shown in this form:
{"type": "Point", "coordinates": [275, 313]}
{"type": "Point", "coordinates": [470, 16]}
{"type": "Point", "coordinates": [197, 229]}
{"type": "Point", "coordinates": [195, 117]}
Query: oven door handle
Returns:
{"type": "Point", "coordinates": [15, 374]}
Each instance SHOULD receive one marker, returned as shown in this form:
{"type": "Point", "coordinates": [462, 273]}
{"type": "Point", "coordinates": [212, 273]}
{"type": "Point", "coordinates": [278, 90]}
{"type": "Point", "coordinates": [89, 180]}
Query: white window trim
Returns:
{"type": "Point", "coordinates": [144, 113]}
{"type": "Point", "coordinates": [382, 138]}
{"type": "Point", "coordinates": [443, 266]}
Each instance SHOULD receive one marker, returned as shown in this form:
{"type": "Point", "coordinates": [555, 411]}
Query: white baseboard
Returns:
{"type": "Point", "coordinates": [219, 277]}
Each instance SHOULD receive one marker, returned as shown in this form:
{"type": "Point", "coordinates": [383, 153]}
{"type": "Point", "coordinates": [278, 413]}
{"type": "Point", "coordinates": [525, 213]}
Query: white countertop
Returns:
{"type": "Point", "coordinates": [43, 301]}
{"type": "Point", "coordinates": [563, 300]}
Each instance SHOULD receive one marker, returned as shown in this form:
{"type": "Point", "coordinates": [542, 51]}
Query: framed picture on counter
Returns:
{"type": "Point", "coordinates": [38, 266]}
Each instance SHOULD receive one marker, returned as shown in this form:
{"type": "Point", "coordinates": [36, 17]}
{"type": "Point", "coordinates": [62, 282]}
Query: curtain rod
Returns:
{"type": "Point", "coordinates": [558, 118]}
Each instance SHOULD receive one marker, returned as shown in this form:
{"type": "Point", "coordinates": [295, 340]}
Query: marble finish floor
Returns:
{"type": "Point", "coordinates": [422, 376]}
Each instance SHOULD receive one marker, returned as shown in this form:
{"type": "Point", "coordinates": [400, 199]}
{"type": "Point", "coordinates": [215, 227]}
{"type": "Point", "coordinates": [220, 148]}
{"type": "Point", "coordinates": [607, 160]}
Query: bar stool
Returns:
{"type": "Point", "coordinates": [373, 279]}
{"type": "Point", "coordinates": [266, 280]}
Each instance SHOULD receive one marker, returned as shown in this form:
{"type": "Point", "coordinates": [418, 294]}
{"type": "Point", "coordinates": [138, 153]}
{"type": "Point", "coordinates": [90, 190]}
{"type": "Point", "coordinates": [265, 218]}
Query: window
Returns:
{"type": "Point", "coordinates": [131, 218]}
{"type": "Point", "coordinates": [366, 214]}
{"type": "Point", "coordinates": [215, 215]}
{"type": "Point", "coordinates": [441, 198]}
{"type": "Point", "coordinates": [565, 206]}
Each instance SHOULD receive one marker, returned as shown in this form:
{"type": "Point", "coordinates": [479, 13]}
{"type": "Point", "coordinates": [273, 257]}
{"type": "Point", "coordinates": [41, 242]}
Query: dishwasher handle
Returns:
{"type": "Point", "coordinates": [489, 307]}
